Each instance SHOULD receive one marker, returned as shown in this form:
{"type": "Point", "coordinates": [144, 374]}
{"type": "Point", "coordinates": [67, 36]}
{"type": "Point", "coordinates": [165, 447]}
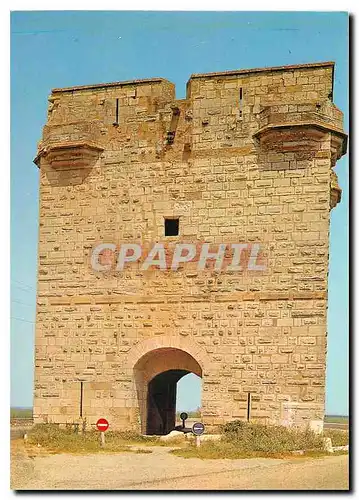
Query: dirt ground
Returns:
{"type": "Point", "coordinates": [161, 470]}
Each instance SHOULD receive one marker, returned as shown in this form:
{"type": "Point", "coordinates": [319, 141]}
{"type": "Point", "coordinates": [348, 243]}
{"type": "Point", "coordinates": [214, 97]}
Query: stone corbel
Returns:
{"type": "Point", "coordinates": [335, 190]}
{"type": "Point", "coordinates": [338, 148]}
{"type": "Point", "coordinates": [65, 156]}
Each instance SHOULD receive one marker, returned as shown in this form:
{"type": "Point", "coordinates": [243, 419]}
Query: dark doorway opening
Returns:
{"type": "Point", "coordinates": [161, 402]}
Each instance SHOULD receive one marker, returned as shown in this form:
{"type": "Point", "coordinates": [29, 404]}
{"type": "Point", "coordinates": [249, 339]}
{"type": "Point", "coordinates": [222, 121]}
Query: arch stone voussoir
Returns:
{"type": "Point", "coordinates": [175, 342]}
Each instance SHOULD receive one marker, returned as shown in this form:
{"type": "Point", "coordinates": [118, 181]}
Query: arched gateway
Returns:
{"type": "Point", "coordinates": [156, 375]}
{"type": "Point", "coordinates": [190, 235]}
{"type": "Point", "coordinates": [158, 364]}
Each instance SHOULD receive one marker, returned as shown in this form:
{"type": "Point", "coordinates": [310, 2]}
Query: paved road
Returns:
{"type": "Point", "coordinates": [163, 471]}
{"type": "Point", "coordinates": [336, 425]}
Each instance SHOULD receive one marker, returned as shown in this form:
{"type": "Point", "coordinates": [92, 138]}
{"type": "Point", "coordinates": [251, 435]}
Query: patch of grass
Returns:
{"type": "Point", "coordinates": [131, 437]}
{"type": "Point", "coordinates": [20, 412]}
{"type": "Point", "coordinates": [178, 441]}
{"type": "Point", "coordinates": [338, 437]}
{"type": "Point", "coordinates": [175, 441]}
{"type": "Point", "coordinates": [336, 419]}
{"type": "Point", "coordinates": [219, 450]}
{"type": "Point", "coordinates": [56, 439]}
{"type": "Point", "coordinates": [214, 450]}
{"type": "Point", "coordinates": [141, 451]}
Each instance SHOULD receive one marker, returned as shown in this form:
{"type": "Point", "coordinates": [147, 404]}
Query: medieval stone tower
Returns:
{"type": "Point", "coordinates": [247, 158]}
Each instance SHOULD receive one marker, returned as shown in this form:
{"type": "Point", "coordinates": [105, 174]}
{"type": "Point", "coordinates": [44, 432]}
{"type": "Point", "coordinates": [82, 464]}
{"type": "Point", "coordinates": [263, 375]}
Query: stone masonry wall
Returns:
{"type": "Point", "coordinates": [246, 157]}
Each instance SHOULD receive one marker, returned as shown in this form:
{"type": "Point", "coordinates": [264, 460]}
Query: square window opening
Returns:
{"type": "Point", "coordinates": [171, 227]}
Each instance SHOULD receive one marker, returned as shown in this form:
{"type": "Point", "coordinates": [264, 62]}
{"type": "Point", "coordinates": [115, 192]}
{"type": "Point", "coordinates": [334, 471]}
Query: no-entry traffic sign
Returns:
{"type": "Point", "coordinates": [102, 425]}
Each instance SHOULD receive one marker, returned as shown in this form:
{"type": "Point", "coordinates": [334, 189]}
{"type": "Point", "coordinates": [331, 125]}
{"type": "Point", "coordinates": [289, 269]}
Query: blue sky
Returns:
{"type": "Point", "coordinates": [57, 49]}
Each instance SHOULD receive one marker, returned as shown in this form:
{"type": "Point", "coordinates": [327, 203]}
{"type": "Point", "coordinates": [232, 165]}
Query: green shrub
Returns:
{"type": "Point", "coordinates": [248, 440]}
{"type": "Point", "coordinates": [21, 412]}
{"type": "Point", "coordinates": [236, 426]}
{"type": "Point", "coordinates": [338, 437]}
{"type": "Point", "coordinates": [269, 438]}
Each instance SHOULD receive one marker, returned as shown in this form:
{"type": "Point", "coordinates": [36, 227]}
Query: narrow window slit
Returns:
{"type": "Point", "coordinates": [240, 102]}
{"type": "Point", "coordinates": [117, 112]}
{"type": "Point", "coordinates": [173, 125]}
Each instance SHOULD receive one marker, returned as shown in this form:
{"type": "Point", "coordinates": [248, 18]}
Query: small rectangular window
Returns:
{"type": "Point", "coordinates": [171, 227]}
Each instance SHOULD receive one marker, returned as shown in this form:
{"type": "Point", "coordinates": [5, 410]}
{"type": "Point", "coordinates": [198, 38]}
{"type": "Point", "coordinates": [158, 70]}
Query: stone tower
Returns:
{"type": "Point", "coordinates": [246, 158]}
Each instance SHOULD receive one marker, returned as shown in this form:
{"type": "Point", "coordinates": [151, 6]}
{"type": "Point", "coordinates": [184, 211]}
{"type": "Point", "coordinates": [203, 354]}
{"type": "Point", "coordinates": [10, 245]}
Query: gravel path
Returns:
{"type": "Point", "coordinates": [163, 471]}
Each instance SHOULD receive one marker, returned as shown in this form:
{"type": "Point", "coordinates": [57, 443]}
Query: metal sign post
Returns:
{"type": "Point", "coordinates": [183, 417]}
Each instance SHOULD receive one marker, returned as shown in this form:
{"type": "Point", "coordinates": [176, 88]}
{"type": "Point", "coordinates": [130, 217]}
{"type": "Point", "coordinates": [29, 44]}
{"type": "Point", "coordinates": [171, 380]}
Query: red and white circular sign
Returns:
{"type": "Point", "coordinates": [102, 424]}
